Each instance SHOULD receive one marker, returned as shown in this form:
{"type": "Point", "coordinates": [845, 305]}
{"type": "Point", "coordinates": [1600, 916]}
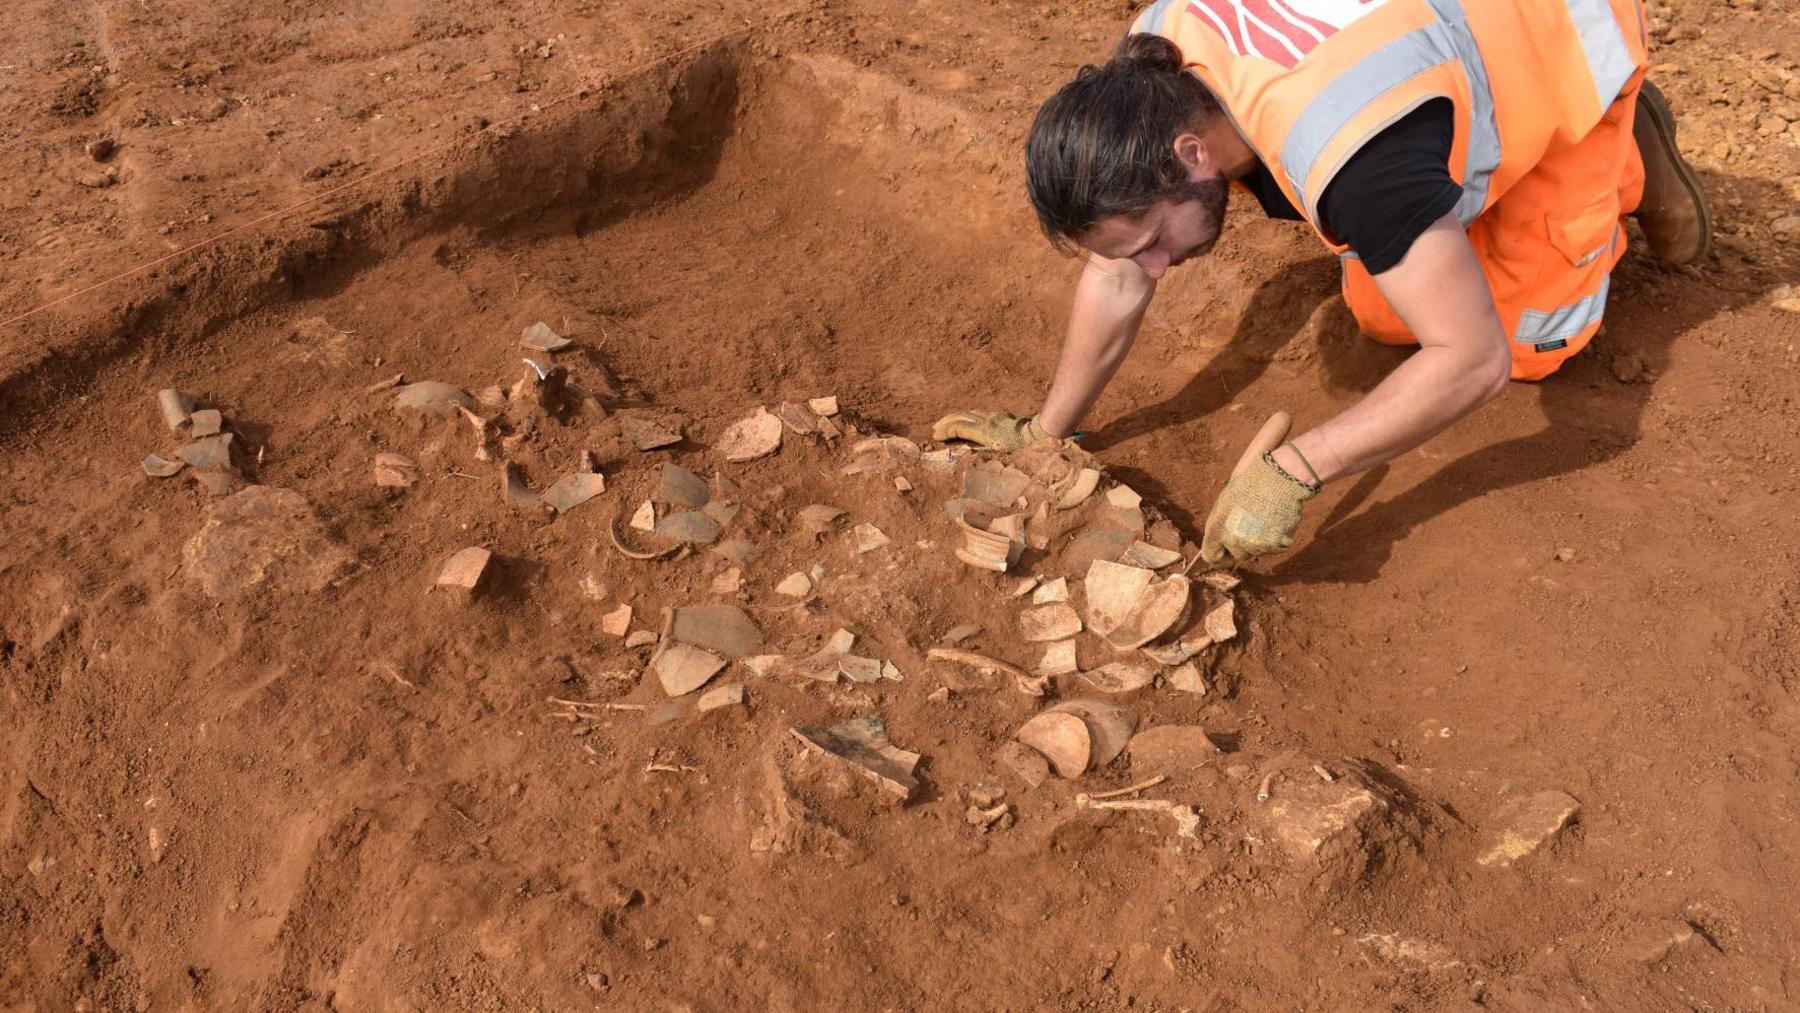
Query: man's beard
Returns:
{"type": "Point", "coordinates": [1211, 196]}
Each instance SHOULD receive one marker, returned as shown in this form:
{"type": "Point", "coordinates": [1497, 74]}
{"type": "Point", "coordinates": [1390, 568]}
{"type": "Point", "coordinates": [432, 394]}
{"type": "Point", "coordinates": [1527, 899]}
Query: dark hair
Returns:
{"type": "Point", "coordinates": [1103, 145]}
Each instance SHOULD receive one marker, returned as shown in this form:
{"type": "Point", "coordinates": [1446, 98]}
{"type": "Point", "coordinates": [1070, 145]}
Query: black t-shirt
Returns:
{"type": "Point", "coordinates": [1387, 193]}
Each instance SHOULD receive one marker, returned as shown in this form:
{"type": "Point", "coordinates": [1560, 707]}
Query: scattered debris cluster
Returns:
{"type": "Point", "coordinates": [1104, 603]}
{"type": "Point", "coordinates": [207, 450]}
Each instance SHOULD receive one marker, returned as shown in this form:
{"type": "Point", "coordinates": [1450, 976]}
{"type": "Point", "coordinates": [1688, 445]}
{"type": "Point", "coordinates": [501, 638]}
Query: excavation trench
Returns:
{"type": "Point", "coordinates": [326, 782]}
{"type": "Point", "coordinates": [758, 214]}
{"type": "Point", "coordinates": [323, 732]}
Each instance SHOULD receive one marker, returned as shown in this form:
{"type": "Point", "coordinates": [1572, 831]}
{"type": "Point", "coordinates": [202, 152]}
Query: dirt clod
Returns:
{"type": "Point", "coordinates": [1171, 749]}
{"type": "Point", "coordinates": [869, 538]}
{"type": "Point", "coordinates": [263, 538]}
{"type": "Point", "coordinates": [395, 471]}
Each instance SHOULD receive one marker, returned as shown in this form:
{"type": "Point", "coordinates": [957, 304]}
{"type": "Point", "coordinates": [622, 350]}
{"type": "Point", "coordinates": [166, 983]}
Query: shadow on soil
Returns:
{"type": "Point", "coordinates": [1594, 404]}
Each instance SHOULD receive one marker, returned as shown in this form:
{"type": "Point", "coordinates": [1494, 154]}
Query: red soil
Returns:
{"type": "Point", "coordinates": [357, 796]}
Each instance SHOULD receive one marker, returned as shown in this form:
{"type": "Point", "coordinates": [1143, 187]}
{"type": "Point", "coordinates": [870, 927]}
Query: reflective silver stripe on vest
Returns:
{"type": "Point", "coordinates": [1151, 17]}
{"type": "Point", "coordinates": [1484, 132]}
{"type": "Point", "coordinates": [1395, 63]}
{"type": "Point", "coordinates": [1539, 326]}
{"type": "Point", "coordinates": [1400, 60]}
{"type": "Point", "coordinates": [1603, 42]}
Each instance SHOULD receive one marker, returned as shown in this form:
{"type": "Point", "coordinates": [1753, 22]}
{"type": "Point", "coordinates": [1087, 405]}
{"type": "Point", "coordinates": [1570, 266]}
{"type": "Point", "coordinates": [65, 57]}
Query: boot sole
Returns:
{"type": "Point", "coordinates": [1663, 120]}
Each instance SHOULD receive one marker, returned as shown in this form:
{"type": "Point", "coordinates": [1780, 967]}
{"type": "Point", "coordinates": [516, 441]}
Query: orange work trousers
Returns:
{"type": "Point", "coordinates": [1548, 245]}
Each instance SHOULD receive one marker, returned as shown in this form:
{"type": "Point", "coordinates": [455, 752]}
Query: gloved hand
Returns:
{"type": "Point", "coordinates": [1256, 514]}
{"type": "Point", "coordinates": [994, 430]}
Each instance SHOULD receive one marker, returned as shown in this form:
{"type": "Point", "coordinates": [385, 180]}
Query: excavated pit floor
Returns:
{"type": "Point", "coordinates": [328, 779]}
{"type": "Point", "coordinates": [360, 795]}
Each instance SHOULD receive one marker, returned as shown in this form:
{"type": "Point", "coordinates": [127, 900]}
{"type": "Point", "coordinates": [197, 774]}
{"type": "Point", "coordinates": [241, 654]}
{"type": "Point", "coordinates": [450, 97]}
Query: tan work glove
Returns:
{"type": "Point", "coordinates": [1257, 513]}
{"type": "Point", "coordinates": [994, 430]}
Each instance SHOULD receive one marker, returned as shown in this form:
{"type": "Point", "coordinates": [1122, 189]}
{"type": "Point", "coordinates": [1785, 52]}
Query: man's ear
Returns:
{"type": "Point", "coordinates": [1191, 151]}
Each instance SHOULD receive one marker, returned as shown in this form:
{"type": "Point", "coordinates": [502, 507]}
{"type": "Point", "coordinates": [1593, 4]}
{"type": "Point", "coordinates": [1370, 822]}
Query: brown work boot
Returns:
{"type": "Point", "coordinates": [1674, 214]}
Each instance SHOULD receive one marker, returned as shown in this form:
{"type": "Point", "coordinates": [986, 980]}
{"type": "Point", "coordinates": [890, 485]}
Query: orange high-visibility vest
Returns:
{"type": "Point", "coordinates": [1309, 82]}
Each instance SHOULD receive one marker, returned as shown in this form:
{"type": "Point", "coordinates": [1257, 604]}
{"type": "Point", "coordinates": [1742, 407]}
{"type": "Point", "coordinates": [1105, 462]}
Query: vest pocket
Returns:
{"type": "Point", "coordinates": [1585, 236]}
{"type": "Point", "coordinates": [1568, 300]}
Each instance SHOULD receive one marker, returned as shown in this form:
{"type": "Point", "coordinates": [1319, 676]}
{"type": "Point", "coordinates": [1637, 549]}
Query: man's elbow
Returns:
{"type": "Point", "coordinates": [1493, 373]}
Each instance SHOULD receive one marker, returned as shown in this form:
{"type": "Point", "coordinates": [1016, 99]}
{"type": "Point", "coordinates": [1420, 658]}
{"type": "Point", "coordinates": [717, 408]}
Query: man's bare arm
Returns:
{"type": "Point", "coordinates": [1462, 363]}
{"type": "Point", "coordinates": [1110, 300]}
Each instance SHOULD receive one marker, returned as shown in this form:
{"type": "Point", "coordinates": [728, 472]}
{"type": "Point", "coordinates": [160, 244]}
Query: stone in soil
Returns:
{"type": "Point", "coordinates": [1659, 940]}
{"type": "Point", "coordinates": [869, 538]}
{"type": "Point", "coordinates": [462, 573]}
{"type": "Point", "coordinates": [1339, 832]}
{"type": "Point", "coordinates": [1523, 825]}
{"type": "Point", "coordinates": [263, 537]}
{"type": "Point", "coordinates": [759, 435]}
